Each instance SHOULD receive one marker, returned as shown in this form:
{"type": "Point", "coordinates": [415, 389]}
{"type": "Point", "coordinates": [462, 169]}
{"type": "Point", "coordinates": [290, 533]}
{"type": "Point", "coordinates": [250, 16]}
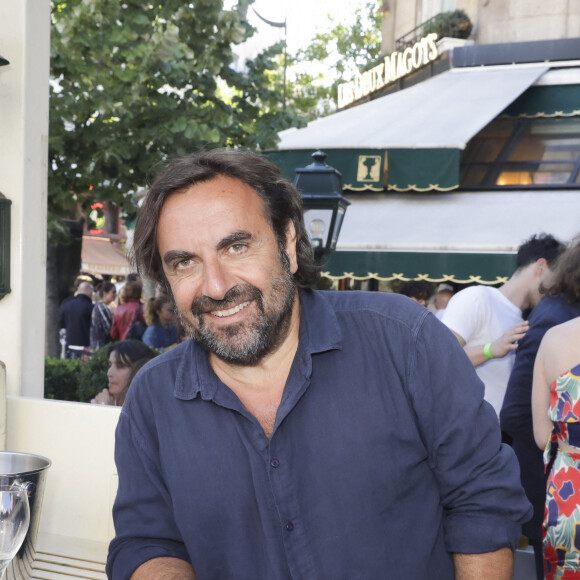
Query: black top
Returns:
{"type": "Point", "coordinates": [75, 317]}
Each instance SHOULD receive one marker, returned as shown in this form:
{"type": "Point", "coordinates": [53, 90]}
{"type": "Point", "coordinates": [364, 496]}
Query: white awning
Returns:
{"type": "Point", "coordinates": [479, 221]}
{"type": "Point", "coordinates": [100, 256]}
{"type": "Point", "coordinates": [445, 111]}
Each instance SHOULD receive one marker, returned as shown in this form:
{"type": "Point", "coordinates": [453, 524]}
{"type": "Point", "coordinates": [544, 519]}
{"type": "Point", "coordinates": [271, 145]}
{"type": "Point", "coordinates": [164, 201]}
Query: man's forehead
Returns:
{"type": "Point", "coordinates": [208, 205]}
{"type": "Point", "coordinates": [213, 191]}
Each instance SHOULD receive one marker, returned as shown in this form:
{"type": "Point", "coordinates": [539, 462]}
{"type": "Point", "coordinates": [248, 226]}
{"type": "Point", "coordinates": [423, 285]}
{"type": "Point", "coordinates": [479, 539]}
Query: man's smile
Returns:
{"type": "Point", "coordinates": [230, 311]}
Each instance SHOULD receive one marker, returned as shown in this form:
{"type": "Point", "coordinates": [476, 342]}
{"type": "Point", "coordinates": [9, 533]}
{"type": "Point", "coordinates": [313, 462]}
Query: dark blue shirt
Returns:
{"type": "Point", "coordinates": [383, 461]}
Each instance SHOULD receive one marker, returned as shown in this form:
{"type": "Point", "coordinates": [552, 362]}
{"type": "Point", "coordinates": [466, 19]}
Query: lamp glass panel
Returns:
{"type": "Point", "coordinates": [337, 225]}
{"type": "Point", "coordinates": [318, 222]}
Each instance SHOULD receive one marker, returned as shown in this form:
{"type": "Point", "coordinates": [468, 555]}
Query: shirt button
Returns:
{"type": "Point", "coordinates": [274, 462]}
{"type": "Point", "coordinates": [289, 526]}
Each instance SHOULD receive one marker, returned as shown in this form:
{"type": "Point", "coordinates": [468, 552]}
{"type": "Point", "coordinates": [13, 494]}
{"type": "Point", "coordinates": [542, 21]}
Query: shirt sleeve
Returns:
{"type": "Point", "coordinates": [144, 523]}
{"type": "Point", "coordinates": [464, 313]}
{"type": "Point", "coordinates": [478, 477]}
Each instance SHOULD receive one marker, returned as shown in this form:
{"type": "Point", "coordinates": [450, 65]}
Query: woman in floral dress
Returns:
{"type": "Point", "coordinates": [556, 413]}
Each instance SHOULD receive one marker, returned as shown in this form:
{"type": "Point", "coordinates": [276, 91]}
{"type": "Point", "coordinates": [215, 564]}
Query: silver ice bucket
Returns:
{"type": "Point", "coordinates": [28, 471]}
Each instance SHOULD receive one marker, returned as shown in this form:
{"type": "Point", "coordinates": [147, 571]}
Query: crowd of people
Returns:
{"type": "Point", "coordinates": [129, 327]}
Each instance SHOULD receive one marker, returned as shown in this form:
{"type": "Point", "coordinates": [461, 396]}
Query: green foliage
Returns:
{"type": "Point", "coordinates": [136, 82]}
{"type": "Point", "coordinates": [344, 51]}
{"type": "Point", "coordinates": [454, 24]}
{"type": "Point", "coordinates": [73, 380]}
{"type": "Point", "coordinates": [61, 378]}
{"type": "Point", "coordinates": [93, 375]}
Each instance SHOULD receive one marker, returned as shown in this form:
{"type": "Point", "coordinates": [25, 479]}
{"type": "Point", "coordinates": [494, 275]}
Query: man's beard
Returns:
{"type": "Point", "coordinates": [244, 343]}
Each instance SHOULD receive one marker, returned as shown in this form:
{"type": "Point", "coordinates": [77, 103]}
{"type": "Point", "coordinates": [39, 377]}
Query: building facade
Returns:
{"type": "Point", "coordinates": [494, 21]}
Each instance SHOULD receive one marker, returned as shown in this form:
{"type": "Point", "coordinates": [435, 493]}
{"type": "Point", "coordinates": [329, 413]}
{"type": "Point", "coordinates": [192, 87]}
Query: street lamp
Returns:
{"type": "Point", "coordinates": [324, 207]}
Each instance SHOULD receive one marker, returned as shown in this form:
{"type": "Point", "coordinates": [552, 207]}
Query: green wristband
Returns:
{"type": "Point", "coordinates": [487, 351]}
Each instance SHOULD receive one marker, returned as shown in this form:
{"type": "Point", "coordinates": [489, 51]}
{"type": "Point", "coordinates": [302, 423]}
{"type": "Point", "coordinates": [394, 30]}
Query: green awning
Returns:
{"type": "Point", "coordinates": [458, 267]}
{"type": "Point", "coordinates": [421, 129]}
{"type": "Point", "coordinates": [362, 169]}
{"type": "Point", "coordinates": [547, 101]}
{"type": "Point", "coordinates": [423, 169]}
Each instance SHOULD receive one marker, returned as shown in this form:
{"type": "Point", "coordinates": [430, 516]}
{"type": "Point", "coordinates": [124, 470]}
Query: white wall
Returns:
{"type": "Point", "coordinates": [25, 42]}
{"type": "Point", "coordinates": [81, 483]}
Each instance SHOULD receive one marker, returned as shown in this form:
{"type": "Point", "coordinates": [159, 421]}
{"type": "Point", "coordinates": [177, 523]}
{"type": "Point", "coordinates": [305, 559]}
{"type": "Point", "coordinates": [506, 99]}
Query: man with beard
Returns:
{"type": "Point", "coordinates": [299, 434]}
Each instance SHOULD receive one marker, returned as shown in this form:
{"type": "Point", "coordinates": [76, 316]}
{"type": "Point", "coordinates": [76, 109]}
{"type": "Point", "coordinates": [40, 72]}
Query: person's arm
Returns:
{"type": "Point", "coordinates": [491, 566]}
{"type": "Point", "coordinates": [164, 569]}
{"type": "Point", "coordinates": [478, 477]}
{"type": "Point", "coordinates": [543, 426]}
{"type": "Point", "coordinates": [499, 348]}
{"type": "Point", "coordinates": [145, 525]}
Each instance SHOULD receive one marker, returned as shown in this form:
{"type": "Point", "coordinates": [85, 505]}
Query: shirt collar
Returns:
{"type": "Point", "coordinates": [319, 332]}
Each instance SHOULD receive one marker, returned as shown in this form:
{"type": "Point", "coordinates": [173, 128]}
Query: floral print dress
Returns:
{"type": "Point", "coordinates": [562, 511]}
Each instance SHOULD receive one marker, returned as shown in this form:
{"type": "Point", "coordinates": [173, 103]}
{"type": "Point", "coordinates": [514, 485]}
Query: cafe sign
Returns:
{"type": "Point", "coordinates": [395, 66]}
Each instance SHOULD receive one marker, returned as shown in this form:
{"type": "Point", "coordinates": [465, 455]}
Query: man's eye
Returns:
{"type": "Point", "coordinates": [183, 264]}
{"type": "Point", "coordinates": [237, 248]}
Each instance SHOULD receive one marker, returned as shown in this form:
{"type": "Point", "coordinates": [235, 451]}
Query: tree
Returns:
{"type": "Point", "coordinates": [136, 82]}
{"type": "Point", "coordinates": [343, 51]}
{"type": "Point", "coordinates": [133, 83]}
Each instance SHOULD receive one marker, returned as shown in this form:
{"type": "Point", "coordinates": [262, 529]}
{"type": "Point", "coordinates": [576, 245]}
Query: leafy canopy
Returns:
{"type": "Point", "coordinates": [135, 82]}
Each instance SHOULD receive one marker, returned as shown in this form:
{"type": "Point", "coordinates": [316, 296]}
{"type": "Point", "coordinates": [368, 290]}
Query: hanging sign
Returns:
{"type": "Point", "coordinates": [395, 66]}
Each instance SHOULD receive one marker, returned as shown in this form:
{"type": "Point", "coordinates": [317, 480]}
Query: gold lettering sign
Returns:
{"type": "Point", "coordinates": [395, 66]}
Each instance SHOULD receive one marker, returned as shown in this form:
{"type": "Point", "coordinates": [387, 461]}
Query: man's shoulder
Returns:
{"type": "Point", "coordinates": [382, 304]}
{"type": "Point", "coordinates": [158, 373]}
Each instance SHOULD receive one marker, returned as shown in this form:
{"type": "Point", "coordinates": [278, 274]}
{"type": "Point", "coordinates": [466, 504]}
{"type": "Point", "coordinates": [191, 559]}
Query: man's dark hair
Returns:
{"type": "Point", "coordinates": [282, 203]}
{"type": "Point", "coordinates": [539, 246]}
{"type": "Point", "coordinates": [132, 277]}
{"type": "Point", "coordinates": [418, 289]}
{"type": "Point", "coordinates": [566, 282]}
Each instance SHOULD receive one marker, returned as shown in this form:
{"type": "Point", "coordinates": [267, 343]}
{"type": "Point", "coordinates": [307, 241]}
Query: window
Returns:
{"type": "Point", "coordinates": [540, 152]}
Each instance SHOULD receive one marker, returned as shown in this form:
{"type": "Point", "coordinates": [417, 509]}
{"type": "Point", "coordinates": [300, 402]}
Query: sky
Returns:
{"type": "Point", "coordinates": [304, 19]}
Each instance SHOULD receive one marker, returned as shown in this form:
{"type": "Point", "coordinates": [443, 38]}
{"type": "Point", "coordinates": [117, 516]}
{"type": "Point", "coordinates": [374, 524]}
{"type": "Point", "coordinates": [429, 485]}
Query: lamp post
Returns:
{"type": "Point", "coordinates": [4, 234]}
{"type": "Point", "coordinates": [324, 207]}
{"type": "Point", "coordinates": [4, 246]}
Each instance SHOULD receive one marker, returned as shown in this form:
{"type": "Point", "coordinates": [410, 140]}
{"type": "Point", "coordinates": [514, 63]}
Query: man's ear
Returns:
{"type": "Point", "coordinates": [540, 265]}
{"type": "Point", "coordinates": [291, 246]}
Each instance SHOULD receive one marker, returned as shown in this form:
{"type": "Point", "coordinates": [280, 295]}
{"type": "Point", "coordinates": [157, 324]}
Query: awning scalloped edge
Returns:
{"type": "Point", "coordinates": [426, 277]}
{"type": "Point", "coordinates": [363, 188]}
{"type": "Point", "coordinates": [431, 187]}
{"type": "Point", "coordinates": [539, 115]}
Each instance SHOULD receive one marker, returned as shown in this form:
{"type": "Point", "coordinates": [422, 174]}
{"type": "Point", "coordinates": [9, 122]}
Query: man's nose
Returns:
{"type": "Point", "coordinates": [216, 281]}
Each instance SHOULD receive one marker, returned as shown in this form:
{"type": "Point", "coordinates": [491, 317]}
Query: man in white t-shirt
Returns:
{"type": "Point", "coordinates": [488, 321]}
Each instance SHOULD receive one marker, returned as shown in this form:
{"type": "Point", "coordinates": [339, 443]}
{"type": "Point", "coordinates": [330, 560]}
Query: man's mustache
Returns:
{"type": "Point", "coordinates": [205, 304]}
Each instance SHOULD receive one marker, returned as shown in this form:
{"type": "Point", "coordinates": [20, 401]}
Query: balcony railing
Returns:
{"type": "Point", "coordinates": [412, 36]}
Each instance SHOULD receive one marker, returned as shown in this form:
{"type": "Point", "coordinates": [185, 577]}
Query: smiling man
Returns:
{"type": "Point", "coordinates": [299, 434]}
